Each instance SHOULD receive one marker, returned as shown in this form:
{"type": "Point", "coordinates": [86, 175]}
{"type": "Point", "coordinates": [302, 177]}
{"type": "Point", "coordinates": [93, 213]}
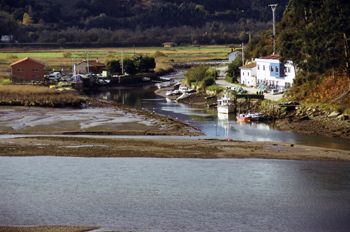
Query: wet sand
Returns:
{"type": "Point", "coordinates": [164, 148]}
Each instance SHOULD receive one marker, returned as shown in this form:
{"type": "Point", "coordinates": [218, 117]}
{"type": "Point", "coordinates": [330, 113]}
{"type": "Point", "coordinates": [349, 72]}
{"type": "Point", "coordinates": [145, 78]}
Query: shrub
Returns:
{"type": "Point", "coordinates": [11, 56]}
{"type": "Point", "coordinates": [67, 54]}
{"type": "Point", "coordinates": [6, 82]}
{"type": "Point", "coordinates": [208, 81]}
{"type": "Point", "coordinates": [159, 54]}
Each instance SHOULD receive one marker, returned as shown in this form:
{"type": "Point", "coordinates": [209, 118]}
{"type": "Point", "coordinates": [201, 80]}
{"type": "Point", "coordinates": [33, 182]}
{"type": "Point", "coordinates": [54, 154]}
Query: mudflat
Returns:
{"type": "Point", "coordinates": [164, 148]}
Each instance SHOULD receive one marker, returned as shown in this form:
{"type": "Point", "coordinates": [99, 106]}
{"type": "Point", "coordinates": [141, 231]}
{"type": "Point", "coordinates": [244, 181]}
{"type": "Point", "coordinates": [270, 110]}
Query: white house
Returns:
{"type": "Point", "coordinates": [248, 74]}
{"type": "Point", "coordinates": [273, 73]}
{"type": "Point", "coordinates": [233, 55]}
{"type": "Point", "coordinates": [6, 38]}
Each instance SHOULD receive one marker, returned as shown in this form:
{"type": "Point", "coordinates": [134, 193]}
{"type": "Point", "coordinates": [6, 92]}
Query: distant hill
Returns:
{"type": "Point", "coordinates": [49, 21]}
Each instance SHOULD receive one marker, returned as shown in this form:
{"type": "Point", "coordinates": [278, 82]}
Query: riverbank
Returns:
{"type": "Point", "coordinates": [97, 147]}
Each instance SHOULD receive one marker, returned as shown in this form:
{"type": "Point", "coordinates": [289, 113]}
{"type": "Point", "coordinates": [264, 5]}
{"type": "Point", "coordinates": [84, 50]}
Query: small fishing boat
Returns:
{"type": "Point", "coordinates": [146, 79]}
{"type": "Point", "coordinates": [257, 117]}
{"type": "Point", "coordinates": [243, 118]}
{"type": "Point", "coordinates": [226, 104]}
{"type": "Point", "coordinates": [102, 81]}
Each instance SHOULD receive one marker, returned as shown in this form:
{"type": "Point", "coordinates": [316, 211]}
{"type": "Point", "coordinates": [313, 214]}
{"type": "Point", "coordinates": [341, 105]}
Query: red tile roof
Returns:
{"type": "Point", "coordinates": [271, 57]}
{"type": "Point", "coordinates": [94, 63]}
{"type": "Point", "coordinates": [27, 58]}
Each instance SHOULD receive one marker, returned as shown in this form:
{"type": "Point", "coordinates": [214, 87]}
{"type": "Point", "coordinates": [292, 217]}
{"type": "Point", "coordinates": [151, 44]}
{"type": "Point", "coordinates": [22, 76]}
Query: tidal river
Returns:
{"type": "Point", "coordinates": [208, 120]}
{"type": "Point", "coordinates": [145, 194]}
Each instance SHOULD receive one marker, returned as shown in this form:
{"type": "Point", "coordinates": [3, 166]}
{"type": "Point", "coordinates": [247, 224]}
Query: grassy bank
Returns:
{"type": "Point", "coordinates": [25, 95]}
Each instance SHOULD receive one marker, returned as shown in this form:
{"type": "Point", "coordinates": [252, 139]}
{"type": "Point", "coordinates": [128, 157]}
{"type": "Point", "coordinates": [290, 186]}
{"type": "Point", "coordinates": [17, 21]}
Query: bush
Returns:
{"type": "Point", "coordinates": [67, 54]}
{"type": "Point", "coordinates": [11, 57]}
{"type": "Point", "coordinates": [208, 81]}
{"type": "Point", "coordinates": [6, 82]}
{"type": "Point", "coordinates": [213, 73]}
{"type": "Point", "coordinates": [197, 73]}
{"type": "Point", "coordinates": [159, 54]}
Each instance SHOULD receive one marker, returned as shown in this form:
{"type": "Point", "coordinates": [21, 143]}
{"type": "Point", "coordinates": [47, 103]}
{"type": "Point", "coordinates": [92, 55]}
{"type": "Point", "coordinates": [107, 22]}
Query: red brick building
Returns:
{"type": "Point", "coordinates": [28, 69]}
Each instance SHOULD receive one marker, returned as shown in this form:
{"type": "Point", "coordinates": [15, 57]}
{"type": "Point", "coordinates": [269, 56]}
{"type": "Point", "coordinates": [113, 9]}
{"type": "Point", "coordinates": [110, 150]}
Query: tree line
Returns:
{"type": "Point", "coordinates": [108, 22]}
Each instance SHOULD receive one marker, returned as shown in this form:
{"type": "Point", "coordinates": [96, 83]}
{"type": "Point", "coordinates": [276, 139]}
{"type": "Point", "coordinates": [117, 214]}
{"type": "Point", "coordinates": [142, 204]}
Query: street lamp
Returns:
{"type": "Point", "coordinates": [273, 7]}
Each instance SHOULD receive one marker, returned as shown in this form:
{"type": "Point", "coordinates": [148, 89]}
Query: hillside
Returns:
{"type": "Point", "coordinates": [315, 36]}
{"type": "Point", "coordinates": [140, 22]}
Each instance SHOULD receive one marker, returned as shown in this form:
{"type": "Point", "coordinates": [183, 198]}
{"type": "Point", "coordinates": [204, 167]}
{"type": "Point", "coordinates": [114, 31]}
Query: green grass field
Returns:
{"type": "Point", "coordinates": [53, 58]}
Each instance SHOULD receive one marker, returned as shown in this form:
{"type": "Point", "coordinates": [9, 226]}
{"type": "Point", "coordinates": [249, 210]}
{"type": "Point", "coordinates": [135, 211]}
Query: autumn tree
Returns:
{"type": "Point", "coordinates": [27, 19]}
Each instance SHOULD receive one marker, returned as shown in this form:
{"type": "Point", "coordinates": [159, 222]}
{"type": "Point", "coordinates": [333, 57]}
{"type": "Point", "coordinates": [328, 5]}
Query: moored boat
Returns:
{"type": "Point", "coordinates": [243, 118]}
{"type": "Point", "coordinates": [226, 104]}
{"type": "Point", "coordinates": [257, 116]}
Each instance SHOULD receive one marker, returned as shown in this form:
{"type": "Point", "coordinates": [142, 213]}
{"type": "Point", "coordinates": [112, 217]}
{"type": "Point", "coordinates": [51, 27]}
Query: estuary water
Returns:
{"type": "Point", "coordinates": [208, 120]}
{"type": "Point", "coordinates": [148, 194]}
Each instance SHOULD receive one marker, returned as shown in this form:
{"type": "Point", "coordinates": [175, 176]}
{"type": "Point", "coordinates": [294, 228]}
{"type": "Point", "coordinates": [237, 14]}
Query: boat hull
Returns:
{"type": "Point", "coordinates": [226, 109]}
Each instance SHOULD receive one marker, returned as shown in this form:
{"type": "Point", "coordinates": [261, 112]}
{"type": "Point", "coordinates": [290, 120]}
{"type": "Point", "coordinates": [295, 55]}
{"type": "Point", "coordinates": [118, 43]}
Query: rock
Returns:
{"type": "Point", "coordinates": [333, 114]}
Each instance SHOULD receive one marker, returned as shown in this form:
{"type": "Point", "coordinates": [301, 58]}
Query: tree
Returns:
{"type": "Point", "coordinates": [27, 19]}
{"type": "Point", "coordinates": [144, 64]}
{"type": "Point", "coordinates": [129, 66]}
{"type": "Point", "coordinates": [195, 74]}
{"type": "Point", "coordinates": [317, 35]}
{"type": "Point", "coordinates": [233, 68]}
{"type": "Point", "coordinates": [114, 66]}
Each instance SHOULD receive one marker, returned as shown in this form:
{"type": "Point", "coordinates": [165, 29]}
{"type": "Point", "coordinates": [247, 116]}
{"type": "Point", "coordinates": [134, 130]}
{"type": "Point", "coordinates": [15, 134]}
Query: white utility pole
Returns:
{"type": "Point", "coordinates": [87, 61]}
{"type": "Point", "coordinates": [273, 7]}
{"type": "Point", "coordinates": [122, 63]}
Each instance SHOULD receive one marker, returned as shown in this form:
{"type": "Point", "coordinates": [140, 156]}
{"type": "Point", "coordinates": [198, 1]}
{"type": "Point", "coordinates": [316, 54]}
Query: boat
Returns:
{"type": "Point", "coordinates": [226, 104]}
{"type": "Point", "coordinates": [146, 79]}
{"type": "Point", "coordinates": [183, 96]}
{"type": "Point", "coordinates": [243, 118]}
{"type": "Point", "coordinates": [101, 81]}
{"type": "Point", "coordinates": [183, 88]}
{"type": "Point", "coordinates": [257, 117]}
{"type": "Point", "coordinates": [176, 92]}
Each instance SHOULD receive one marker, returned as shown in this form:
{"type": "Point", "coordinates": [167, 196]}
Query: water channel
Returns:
{"type": "Point", "coordinates": [176, 195]}
{"type": "Point", "coordinates": [209, 122]}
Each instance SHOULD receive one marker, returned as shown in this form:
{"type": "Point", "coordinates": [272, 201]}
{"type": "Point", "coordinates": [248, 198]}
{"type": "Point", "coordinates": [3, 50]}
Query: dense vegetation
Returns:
{"type": "Point", "coordinates": [314, 34]}
{"type": "Point", "coordinates": [135, 22]}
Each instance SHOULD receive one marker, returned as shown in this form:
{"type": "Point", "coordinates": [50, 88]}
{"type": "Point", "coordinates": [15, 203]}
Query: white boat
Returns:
{"type": "Point", "coordinates": [101, 81]}
{"type": "Point", "coordinates": [176, 92]}
{"type": "Point", "coordinates": [183, 96]}
{"type": "Point", "coordinates": [226, 104]}
{"type": "Point", "coordinates": [146, 79]}
{"type": "Point", "coordinates": [257, 117]}
{"type": "Point", "coordinates": [183, 88]}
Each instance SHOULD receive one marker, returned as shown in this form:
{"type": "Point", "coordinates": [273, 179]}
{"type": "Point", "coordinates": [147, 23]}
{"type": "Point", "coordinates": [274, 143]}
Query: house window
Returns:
{"type": "Point", "coordinates": [276, 69]}
{"type": "Point", "coordinates": [35, 76]}
{"type": "Point", "coordinates": [258, 67]}
{"type": "Point", "coordinates": [35, 70]}
{"type": "Point", "coordinates": [264, 67]}
{"type": "Point", "coordinates": [271, 68]}
{"type": "Point", "coordinates": [248, 74]}
{"type": "Point", "coordinates": [20, 70]}
{"type": "Point", "coordinates": [243, 73]}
